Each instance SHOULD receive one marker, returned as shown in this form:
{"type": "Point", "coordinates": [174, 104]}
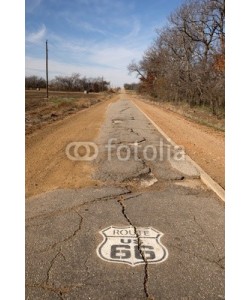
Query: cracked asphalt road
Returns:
{"type": "Point", "coordinates": [145, 189]}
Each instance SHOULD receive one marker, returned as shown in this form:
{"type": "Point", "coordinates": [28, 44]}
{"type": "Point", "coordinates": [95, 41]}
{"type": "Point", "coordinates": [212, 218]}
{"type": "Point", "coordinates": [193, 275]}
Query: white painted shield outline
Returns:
{"type": "Point", "coordinates": [157, 239]}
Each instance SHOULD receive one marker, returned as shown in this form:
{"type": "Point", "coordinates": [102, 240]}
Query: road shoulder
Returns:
{"type": "Point", "coordinates": [206, 146]}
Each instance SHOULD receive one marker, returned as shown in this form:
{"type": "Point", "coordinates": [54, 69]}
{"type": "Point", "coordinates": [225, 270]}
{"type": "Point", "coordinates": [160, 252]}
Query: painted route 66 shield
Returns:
{"type": "Point", "coordinates": [120, 245]}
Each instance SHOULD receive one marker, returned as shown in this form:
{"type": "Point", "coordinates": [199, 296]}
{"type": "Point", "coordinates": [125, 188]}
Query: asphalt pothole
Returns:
{"type": "Point", "coordinates": [145, 180]}
{"type": "Point", "coordinates": [117, 121]}
{"type": "Point", "coordinates": [148, 180]}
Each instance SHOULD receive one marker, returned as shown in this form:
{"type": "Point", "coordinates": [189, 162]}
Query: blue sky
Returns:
{"type": "Point", "coordinates": [91, 37]}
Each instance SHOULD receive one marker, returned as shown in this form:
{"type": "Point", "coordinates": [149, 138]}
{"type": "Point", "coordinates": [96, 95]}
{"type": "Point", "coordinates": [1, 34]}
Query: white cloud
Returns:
{"type": "Point", "coordinates": [112, 53]}
{"type": "Point", "coordinates": [116, 56]}
{"type": "Point", "coordinates": [88, 27]}
{"type": "Point", "coordinates": [135, 30]}
{"type": "Point", "coordinates": [77, 22]}
{"type": "Point", "coordinates": [103, 6]}
{"type": "Point", "coordinates": [36, 37]}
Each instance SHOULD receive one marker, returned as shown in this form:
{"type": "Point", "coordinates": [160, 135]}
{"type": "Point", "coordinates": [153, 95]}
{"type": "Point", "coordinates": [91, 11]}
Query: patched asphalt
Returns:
{"type": "Point", "coordinates": [64, 227]}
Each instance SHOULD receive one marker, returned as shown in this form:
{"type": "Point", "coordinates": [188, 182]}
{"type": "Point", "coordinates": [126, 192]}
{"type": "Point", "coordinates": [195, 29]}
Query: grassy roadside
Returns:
{"type": "Point", "coordinates": [200, 115]}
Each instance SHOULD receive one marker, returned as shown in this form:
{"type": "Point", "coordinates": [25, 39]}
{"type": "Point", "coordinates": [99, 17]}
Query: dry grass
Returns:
{"type": "Point", "coordinates": [201, 115]}
{"type": "Point", "coordinates": [40, 111]}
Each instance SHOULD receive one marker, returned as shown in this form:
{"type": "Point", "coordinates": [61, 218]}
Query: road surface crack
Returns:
{"type": "Point", "coordinates": [46, 284]}
{"type": "Point", "coordinates": [132, 130]}
{"type": "Point", "coordinates": [209, 240]}
{"type": "Point", "coordinates": [199, 256]}
{"type": "Point", "coordinates": [59, 291]}
{"type": "Point", "coordinates": [79, 227]}
{"type": "Point", "coordinates": [146, 275]}
{"type": "Point", "coordinates": [132, 197]}
{"type": "Point", "coordinates": [124, 109]}
{"type": "Point", "coordinates": [68, 209]}
{"type": "Point", "coordinates": [52, 264]}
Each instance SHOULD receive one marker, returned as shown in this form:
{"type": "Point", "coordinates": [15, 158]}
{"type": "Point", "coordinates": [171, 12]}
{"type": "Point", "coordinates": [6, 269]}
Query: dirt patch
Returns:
{"type": "Point", "coordinates": [40, 111]}
{"type": "Point", "coordinates": [203, 144]}
{"type": "Point", "coordinates": [47, 166]}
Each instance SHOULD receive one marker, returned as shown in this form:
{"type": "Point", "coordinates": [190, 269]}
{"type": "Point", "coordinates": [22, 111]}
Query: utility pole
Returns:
{"type": "Point", "coordinates": [47, 72]}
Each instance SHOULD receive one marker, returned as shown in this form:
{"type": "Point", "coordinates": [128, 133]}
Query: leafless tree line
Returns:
{"type": "Point", "coordinates": [186, 61]}
{"type": "Point", "coordinates": [34, 82]}
{"type": "Point", "coordinates": [74, 83]}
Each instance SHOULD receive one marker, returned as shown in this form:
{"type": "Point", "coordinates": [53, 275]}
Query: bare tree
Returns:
{"type": "Point", "coordinates": [134, 67]}
{"type": "Point", "coordinates": [186, 60]}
